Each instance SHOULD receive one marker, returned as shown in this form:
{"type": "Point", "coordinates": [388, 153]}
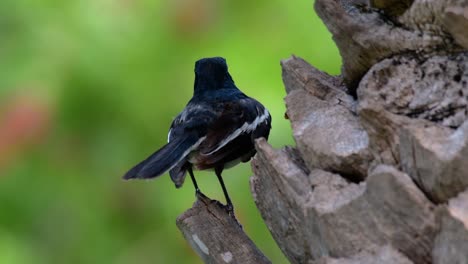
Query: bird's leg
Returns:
{"type": "Point", "coordinates": [197, 190]}
{"type": "Point", "coordinates": [229, 206]}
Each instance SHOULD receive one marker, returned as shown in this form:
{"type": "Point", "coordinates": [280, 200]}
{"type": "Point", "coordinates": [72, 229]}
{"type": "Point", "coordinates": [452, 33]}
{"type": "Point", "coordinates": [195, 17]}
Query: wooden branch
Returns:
{"type": "Point", "coordinates": [216, 236]}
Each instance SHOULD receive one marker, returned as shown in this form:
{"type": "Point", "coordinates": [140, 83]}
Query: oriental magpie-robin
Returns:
{"type": "Point", "coordinates": [216, 130]}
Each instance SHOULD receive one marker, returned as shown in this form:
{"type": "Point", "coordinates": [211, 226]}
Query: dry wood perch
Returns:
{"type": "Point", "coordinates": [379, 173]}
{"type": "Point", "coordinates": [216, 236]}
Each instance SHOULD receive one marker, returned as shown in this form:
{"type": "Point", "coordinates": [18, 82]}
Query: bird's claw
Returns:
{"type": "Point", "coordinates": [230, 210]}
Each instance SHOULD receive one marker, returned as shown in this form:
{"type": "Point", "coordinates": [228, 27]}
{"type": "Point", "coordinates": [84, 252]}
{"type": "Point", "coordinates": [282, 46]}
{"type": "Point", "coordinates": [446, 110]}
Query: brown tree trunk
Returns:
{"type": "Point", "coordinates": [379, 173]}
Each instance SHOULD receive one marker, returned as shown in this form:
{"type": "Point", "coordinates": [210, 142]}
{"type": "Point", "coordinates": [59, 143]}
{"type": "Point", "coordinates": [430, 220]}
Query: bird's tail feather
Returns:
{"type": "Point", "coordinates": [178, 174]}
{"type": "Point", "coordinates": [164, 159]}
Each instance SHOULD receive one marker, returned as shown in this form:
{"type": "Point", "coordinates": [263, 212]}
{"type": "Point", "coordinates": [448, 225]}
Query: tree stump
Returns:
{"type": "Point", "coordinates": [379, 173]}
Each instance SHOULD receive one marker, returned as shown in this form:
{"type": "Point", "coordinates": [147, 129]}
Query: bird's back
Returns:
{"type": "Point", "coordinates": [229, 121]}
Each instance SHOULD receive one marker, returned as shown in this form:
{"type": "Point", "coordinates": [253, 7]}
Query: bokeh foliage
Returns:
{"type": "Point", "coordinates": [90, 87]}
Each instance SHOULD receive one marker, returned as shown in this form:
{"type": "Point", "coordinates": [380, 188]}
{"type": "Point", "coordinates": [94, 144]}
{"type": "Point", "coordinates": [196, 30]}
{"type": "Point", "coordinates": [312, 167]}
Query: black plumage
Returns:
{"type": "Point", "coordinates": [216, 130]}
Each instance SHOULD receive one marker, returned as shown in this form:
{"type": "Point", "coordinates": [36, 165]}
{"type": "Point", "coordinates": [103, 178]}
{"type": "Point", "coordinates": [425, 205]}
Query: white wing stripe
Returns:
{"type": "Point", "coordinates": [246, 127]}
{"type": "Point", "coordinates": [169, 135]}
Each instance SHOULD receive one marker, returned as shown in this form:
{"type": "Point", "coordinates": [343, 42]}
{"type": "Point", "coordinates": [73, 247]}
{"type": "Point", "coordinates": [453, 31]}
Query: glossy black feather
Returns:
{"type": "Point", "coordinates": [223, 121]}
{"type": "Point", "coordinates": [164, 159]}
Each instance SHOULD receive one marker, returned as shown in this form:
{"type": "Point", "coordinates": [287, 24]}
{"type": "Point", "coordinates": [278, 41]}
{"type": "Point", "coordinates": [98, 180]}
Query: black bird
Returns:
{"type": "Point", "coordinates": [216, 130]}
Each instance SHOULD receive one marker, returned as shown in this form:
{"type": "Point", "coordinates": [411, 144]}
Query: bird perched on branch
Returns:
{"type": "Point", "coordinates": [216, 130]}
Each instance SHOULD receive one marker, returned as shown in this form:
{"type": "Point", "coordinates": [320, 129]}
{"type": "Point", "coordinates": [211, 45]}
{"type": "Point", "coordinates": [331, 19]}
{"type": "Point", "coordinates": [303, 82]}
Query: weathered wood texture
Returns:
{"type": "Point", "coordinates": [380, 255]}
{"type": "Point", "coordinates": [380, 150]}
{"type": "Point", "coordinates": [379, 173]}
{"type": "Point", "coordinates": [451, 244]}
{"type": "Point", "coordinates": [318, 214]}
{"type": "Point", "coordinates": [216, 236]}
{"type": "Point", "coordinates": [366, 35]}
{"type": "Point", "coordinates": [338, 142]}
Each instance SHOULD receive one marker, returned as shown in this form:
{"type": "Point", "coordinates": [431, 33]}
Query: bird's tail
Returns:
{"type": "Point", "coordinates": [164, 159]}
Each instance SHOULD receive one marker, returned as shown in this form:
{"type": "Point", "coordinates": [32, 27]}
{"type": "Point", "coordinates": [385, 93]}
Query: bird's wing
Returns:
{"type": "Point", "coordinates": [237, 118]}
{"type": "Point", "coordinates": [165, 158]}
{"type": "Point", "coordinates": [196, 118]}
{"type": "Point", "coordinates": [187, 132]}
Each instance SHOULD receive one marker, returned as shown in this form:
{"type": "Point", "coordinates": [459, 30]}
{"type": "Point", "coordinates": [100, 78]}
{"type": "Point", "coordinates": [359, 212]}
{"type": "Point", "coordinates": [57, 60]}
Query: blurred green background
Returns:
{"type": "Point", "coordinates": [89, 87]}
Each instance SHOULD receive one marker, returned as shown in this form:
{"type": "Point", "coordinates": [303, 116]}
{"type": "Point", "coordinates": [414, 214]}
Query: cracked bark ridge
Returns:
{"type": "Point", "coordinates": [451, 244]}
{"type": "Point", "coordinates": [382, 255]}
{"type": "Point", "coordinates": [315, 103]}
{"type": "Point", "coordinates": [216, 236]}
{"type": "Point", "coordinates": [383, 129]}
{"type": "Point", "coordinates": [386, 209]}
{"type": "Point", "coordinates": [298, 74]}
{"type": "Point", "coordinates": [435, 88]}
{"type": "Point", "coordinates": [407, 105]}
{"type": "Point", "coordinates": [320, 214]}
{"type": "Point", "coordinates": [365, 36]}
{"type": "Point", "coordinates": [455, 19]}
{"type": "Point", "coordinates": [435, 157]}
{"type": "Point", "coordinates": [279, 189]}
{"type": "Point", "coordinates": [393, 8]}
{"type": "Point", "coordinates": [445, 20]}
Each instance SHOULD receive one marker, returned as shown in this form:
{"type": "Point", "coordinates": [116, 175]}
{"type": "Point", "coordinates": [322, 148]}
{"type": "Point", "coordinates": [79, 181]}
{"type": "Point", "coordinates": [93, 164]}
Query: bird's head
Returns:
{"type": "Point", "coordinates": [212, 74]}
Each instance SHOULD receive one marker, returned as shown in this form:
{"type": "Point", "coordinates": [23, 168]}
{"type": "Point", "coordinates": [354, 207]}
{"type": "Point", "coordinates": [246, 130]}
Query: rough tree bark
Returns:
{"type": "Point", "coordinates": [379, 173]}
{"type": "Point", "coordinates": [216, 236]}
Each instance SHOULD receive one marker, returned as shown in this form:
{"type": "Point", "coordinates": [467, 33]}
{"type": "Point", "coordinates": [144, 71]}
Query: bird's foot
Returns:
{"type": "Point", "coordinates": [230, 210]}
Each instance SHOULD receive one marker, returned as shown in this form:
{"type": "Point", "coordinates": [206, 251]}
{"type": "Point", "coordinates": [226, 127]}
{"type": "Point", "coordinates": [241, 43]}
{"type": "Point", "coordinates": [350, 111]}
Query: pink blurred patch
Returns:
{"type": "Point", "coordinates": [24, 121]}
{"type": "Point", "coordinates": [193, 17]}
